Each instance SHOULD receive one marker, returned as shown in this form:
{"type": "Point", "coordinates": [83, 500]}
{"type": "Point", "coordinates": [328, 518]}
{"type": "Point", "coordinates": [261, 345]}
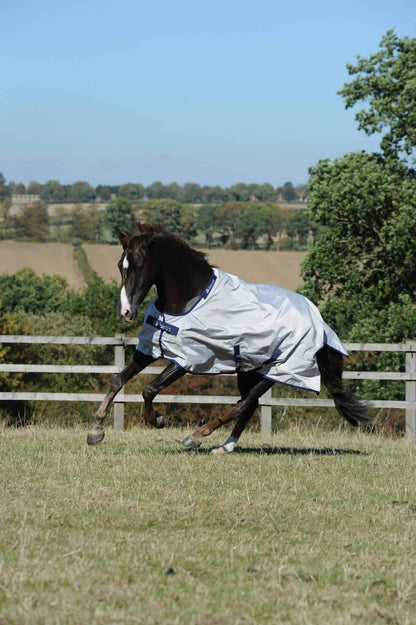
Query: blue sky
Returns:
{"type": "Point", "coordinates": [214, 92]}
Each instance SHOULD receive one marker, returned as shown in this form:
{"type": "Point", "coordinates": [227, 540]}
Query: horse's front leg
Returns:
{"type": "Point", "coordinates": [170, 374]}
{"type": "Point", "coordinates": [139, 362]}
{"type": "Point", "coordinates": [241, 411]}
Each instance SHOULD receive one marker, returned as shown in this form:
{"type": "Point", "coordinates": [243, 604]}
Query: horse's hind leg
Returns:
{"type": "Point", "coordinates": [246, 381]}
{"type": "Point", "coordinates": [241, 411]}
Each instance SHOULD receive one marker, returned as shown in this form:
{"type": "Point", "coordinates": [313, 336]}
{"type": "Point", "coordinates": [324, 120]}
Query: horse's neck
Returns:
{"type": "Point", "coordinates": [181, 283]}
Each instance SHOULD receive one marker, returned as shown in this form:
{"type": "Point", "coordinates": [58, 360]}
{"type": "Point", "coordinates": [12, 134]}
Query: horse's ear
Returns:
{"type": "Point", "coordinates": [146, 229]}
{"type": "Point", "coordinates": [123, 237]}
{"type": "Point", "coordinates": [149, 234]}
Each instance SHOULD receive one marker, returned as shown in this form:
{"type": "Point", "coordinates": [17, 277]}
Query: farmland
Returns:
{"type": "Point", "coordinates": [280, 268]}
{"type": "Point", "coordinates": [50, 258]}
{"type": "Point", "coordinates": [298, 528]}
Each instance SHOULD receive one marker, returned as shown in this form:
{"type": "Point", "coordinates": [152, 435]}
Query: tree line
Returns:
{"type": "Point", "coordinates": [54, 191]}
{"type": "Point", "coordinates": [236, 224]}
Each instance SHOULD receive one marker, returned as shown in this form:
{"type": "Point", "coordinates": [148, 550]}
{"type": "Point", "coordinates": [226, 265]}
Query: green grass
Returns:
{"type": "Point", "coordinates": [320, 530]}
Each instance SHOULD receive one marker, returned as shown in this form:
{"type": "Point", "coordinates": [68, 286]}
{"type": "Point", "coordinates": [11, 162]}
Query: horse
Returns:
{"type": "Point", "coordinates": [298, 349]}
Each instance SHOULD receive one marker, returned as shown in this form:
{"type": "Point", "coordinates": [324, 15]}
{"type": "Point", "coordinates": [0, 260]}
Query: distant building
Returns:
{"type": "Point", "coordinates": [25, 198]}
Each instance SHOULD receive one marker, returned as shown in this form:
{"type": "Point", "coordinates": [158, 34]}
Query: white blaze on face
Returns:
{"type": "Point", "coordinates": [124, 302]}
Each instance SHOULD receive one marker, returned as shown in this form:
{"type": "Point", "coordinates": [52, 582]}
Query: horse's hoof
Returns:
{"type": "Point", "coordinates": [159, 422]}
{"type": "Point", "coordinates": [191, 443]}
{"type": "Point", "coordinates": [96, 436]}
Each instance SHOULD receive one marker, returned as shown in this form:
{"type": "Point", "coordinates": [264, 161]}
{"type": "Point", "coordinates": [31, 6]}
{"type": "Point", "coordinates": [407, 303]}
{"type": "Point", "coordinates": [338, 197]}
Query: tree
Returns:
{"type": "Point", "coordinates": [366, 256]}
{"type": "Point", "coordinates": [191, 192]}
{"type": "Point", "coordinates": [276, 221]}
{"type": "Point", "coordinates": [205, 222]}
{"type": "Point", "coordinates": [131, 191]}
{"type": "Point", "coordinates": [26, 292]}
{"type": "Point", "coordinates": [266, 193]}
{"type": "Point", "coordinates": [288, 192]}
{"type": "Point", "coordinates": [33, 221]}
{"type": "Point", "coordinates": [118, 214]}
{"type": "Point", "coordinates": [226, 216]}
{"type": "Point", "coordinates": [240, 192]}
{"type": "Point", "coordinates": [187, 227]}
{"type": "Point", "coordinates": [251, 224]}
{"type": "Point", "coordinates": [20, 188]}
{"type": "Point", "coordinates": [298, 227]}
{"type": "Point", "coordinates": [166, 212]}
{"type": "Point", "coordinates": [362, 267]}
{"type": "Point", "coordinates": [386, 83]}
{"type": "Point", "coordinates": [4, 188]}
{"type": "Point", "coordinates": [85, 223]}
{"type": "Point", "coordinates": [81, 192]}
{"type": "Point", "coordinates": [155, 190]}
{"type": "Point", "coordinates": [103, 193]}
{"type": "Point", "coordinates": [53, 191]}
{"type": "Point", "coordinates": [34, 188]}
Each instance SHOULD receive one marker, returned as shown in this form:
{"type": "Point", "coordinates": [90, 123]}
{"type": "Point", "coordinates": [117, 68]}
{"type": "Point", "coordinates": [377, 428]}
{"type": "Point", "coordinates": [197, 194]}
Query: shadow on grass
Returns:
{"type": "Point", "coordinates": [285, 451]}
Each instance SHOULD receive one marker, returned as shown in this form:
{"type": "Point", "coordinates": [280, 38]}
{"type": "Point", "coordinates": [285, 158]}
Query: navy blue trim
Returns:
{"type": "Point", "coordinates": [209, 286]}
{"type": "Point", "coordinates": [274, 357]}
{"type": "Point", "coordinates": [237, 357]}
{"type": "Point", "coordinates": [162, 325]}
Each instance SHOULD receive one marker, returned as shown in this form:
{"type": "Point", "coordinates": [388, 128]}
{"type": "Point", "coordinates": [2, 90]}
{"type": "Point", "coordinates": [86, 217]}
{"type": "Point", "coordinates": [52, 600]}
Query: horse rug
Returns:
{"type": "Point", "coordinates": [236, 326]}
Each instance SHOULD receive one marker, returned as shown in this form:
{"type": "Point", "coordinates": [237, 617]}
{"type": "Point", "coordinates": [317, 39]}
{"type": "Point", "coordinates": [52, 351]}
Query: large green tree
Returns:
{"type": "Point", "coordinates": [252, 223]}
{"type": "Point", "coordinates": [118, 214]}
{"type": "Point", "coordinates": [166, 212]}
{"type": "Point", "coordinates": [386, 83]}
{"type": "Point", "coordinates": [362, 269]}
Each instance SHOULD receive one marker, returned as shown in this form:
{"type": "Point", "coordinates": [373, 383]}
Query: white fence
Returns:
{"type": "Point", "coordinates": [408, 377]}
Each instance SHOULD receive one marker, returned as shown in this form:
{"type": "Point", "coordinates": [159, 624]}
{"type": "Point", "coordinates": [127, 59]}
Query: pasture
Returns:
{"type": "Point", "coordinates": [261, 266]}
{"type": "Point", "coordinates": [49, 258]}
{"type": "Point", "coordinates": [304, 528]}
{"type": "Point", "coordinates": [279, 268]}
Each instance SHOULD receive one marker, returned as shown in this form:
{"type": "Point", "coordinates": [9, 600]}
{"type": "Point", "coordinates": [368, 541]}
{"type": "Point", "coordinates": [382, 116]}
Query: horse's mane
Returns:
{"type": "Point", "coordinates": [159, 229]}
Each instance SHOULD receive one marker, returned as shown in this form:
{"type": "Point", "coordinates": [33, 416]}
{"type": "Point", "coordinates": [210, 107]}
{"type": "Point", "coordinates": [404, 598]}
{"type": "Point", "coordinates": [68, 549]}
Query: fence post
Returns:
{"type": "Point", "coordinates": [266, 413]}
{"type": "Point", "coordinates": [119, 361]}
{"type": "Point", "coordinates": [411, 392]}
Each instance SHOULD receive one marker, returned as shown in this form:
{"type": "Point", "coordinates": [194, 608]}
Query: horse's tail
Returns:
{"type": "Point", "coordinates": [351, 407]}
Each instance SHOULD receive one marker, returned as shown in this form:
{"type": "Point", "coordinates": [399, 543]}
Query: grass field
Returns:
{"type": "Point", "coordinates": [270, 267]}
{"type": "Point", "coordinates": [296, 528]}
{"type": "Point", "coordinates": [50, 258]}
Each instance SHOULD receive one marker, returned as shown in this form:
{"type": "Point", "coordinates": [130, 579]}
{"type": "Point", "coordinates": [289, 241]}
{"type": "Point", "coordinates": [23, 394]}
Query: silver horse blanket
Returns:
{"type": "Point", "coordinates": [236, 326]}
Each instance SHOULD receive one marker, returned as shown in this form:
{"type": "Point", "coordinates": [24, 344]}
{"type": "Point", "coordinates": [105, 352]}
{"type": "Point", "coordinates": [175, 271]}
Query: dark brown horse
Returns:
{"type": "Point", "coordinates": [153, 256]}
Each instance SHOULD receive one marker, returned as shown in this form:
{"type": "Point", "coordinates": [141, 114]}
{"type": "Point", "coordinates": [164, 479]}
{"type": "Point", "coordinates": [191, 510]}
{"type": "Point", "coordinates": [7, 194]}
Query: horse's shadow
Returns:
{"type": "Point", "coordinates": [286, 451]}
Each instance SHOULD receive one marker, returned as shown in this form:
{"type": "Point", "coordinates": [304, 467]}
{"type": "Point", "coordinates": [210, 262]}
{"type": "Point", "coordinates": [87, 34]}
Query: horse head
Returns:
{"type": "Point", "coordinates": [137, 271]}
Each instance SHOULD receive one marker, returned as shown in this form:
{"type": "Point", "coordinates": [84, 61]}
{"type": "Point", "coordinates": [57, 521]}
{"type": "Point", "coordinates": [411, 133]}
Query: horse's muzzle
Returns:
{"type": "Point", "coordinates": [128, 314]}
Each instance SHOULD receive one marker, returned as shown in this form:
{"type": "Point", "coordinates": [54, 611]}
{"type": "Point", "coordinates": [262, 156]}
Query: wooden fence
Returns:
{"type": "Point", "coordinates": [408, 377]}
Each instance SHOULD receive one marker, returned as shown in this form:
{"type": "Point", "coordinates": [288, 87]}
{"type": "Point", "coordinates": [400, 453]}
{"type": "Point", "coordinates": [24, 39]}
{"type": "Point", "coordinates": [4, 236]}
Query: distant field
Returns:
{"type": "Point", "coordinates": [279, 268]}
{"type": "Point", "coordinates": [50, 258]}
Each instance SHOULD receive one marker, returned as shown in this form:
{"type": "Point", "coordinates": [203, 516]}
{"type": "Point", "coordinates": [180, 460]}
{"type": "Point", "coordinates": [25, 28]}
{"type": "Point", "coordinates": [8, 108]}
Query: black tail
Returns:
{"type": "Point", "coordinates": [351, 407]}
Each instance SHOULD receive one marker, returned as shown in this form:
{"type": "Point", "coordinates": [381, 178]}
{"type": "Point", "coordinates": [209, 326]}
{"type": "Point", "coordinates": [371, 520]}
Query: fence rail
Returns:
{"type": "Point", "coordinates": [408, 377]}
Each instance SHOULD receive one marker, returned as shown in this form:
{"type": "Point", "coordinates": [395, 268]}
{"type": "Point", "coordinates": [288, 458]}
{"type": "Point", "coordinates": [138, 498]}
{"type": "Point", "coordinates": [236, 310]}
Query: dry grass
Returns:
{"type": "Point", "coordinates": [279, 268]}
{"type": "Point", "coordinates": [134, 531]}
{"type": "Point", "coordinates": [49, 258]}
